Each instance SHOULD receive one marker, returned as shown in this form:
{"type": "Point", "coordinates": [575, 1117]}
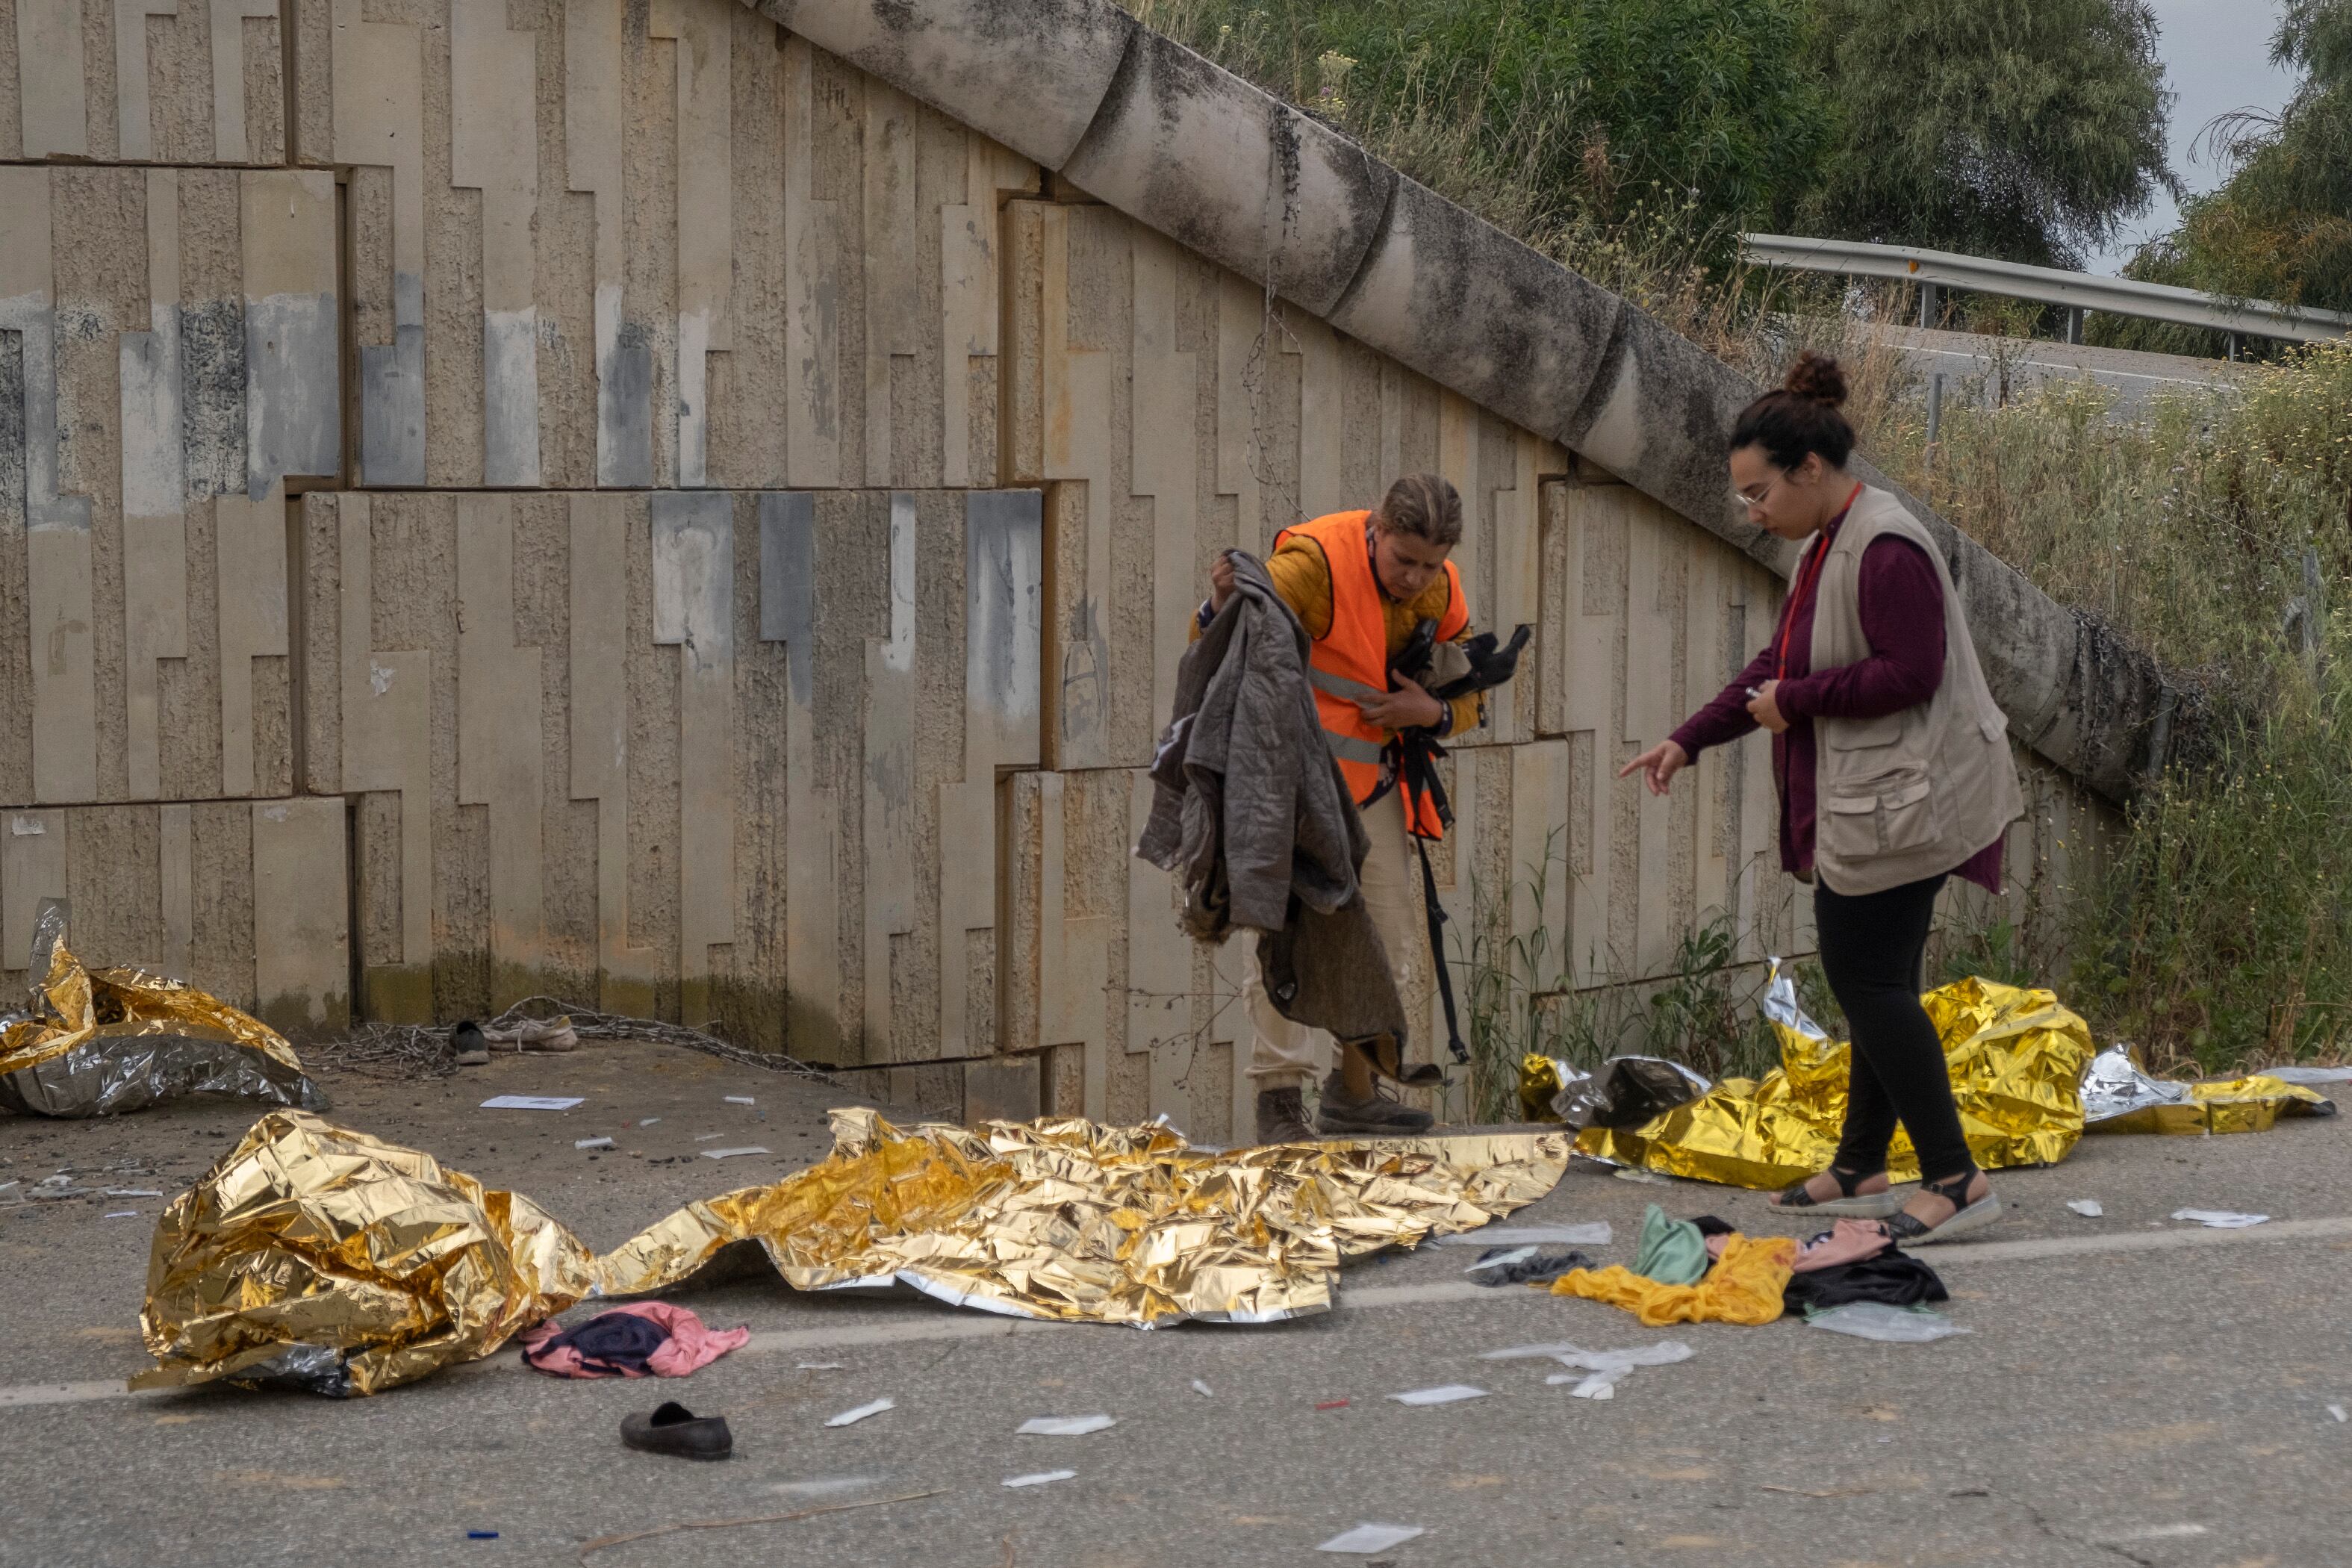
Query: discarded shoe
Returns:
{"type": "Point", "coordinates": [1282, 1117]}
{"type": "Point", "coordinates": [537, 1034]}
{"type": "Point", "coordinates": [675, 1430]}
{"type": "Point", "coordinates": [1377, 1113]}
{"type": "Point", "coordinates": [473, 1047]}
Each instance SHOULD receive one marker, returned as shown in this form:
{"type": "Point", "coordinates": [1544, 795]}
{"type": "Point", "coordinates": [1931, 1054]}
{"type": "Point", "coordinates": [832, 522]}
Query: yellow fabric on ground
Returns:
{"type": "Point", "coordinates": [1744, 1286]}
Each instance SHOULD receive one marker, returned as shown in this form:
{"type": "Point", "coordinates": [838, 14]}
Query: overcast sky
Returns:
{"type": "Point", "coordinates": [2216, 57]}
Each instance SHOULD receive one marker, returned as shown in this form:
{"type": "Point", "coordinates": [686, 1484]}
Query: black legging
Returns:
{"type": "Point", "coordinates": [1871, 947]}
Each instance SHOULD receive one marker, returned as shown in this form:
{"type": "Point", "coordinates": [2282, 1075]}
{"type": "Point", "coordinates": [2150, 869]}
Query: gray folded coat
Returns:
{"type": "Point", "coordinates": [1250, 813]}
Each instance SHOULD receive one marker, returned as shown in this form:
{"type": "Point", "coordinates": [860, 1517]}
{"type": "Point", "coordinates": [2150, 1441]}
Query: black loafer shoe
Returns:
{"type": "Point", "coordinates": [675, 1430]}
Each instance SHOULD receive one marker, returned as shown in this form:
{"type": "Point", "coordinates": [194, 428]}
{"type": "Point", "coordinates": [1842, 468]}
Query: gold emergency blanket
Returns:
{"type": "Point", "coordinates": [1119, 1224]}
{"type": "Point", "coordinates": [2119, 1098]}
{"type": "Point", "coordinates": [319, 1257]}
{"type": "Point", "coordinates": [2016, 1057]}
{"type": "Point", "coordinates": [111, 1040]}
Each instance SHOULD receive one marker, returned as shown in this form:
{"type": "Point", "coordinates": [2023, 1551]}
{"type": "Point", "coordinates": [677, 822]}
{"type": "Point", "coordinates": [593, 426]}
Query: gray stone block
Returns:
{"type": "Point", "coordinates": [1029, 73]}
{"type": "Point", "coordinates": [1473, 309]}
{"type": "Point", "coordinates": [1217, 165]}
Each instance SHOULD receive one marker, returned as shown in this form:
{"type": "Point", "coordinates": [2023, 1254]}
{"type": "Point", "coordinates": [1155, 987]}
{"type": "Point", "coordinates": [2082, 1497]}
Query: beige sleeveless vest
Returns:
{"type": "Point", "coordinates": [1907, 794]}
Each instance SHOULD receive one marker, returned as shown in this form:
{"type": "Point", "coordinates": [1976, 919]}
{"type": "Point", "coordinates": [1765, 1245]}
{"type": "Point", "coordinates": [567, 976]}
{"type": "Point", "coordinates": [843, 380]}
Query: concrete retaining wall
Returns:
{"type": "Point", "coordinates": [710, 535]}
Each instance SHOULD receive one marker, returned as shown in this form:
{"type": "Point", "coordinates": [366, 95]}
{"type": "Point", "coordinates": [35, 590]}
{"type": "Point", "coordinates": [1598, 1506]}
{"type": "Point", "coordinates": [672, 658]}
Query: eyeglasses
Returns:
{"type": "Point", "coordinates": [1744, 499]}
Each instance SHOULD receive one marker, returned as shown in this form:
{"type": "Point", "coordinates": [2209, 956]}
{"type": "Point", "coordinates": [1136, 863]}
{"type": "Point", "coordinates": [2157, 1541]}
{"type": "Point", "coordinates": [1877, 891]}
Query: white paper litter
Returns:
{"type": "Point", "coordinates": [822, 1365]}
{"type": "Point", "coordinates": [731, 1153]}
{"type": "Point", "coordinates": [1446, 1394]}
{"type": "Point", "coordinates": [1367, 1539]}
{"type": "Point", "coordinates": [1041, 1478]}
{"type": "Point", "coordinates": [591, 1143]}
{"type": "Point", "coordinates": [2338, 1411]}
{"type": "Point", "coordinates": [124, 1214]}
{"type": "Point", "coordinates": [1594, 1234]}
{"type": "Point", "coordinates": [647, 1120]}
{"type": "Point", "coordinates": [127, 1192]}
{"type": "Point", "coordinates": [1066, 1426]}
{"type": "Point", "coordinates": [1604, 1369]}
{"type": "Point", "coordinates": [739, 1099]}
{"type": "Point", "coordinates": [707, 1137]}
{"type": "Point", "coordinates": [2221, 1219]}
{"type": "Point", "coordinates": [1200, 1387]}
{"type": "Point", "coordinates": [533, 1101]}
{"type": "Point", "coordinates": [1888, 1325]}
{"type": "Point", "coordinates": [2087, 1207]}
{"type": "Point", "coordinates": [852, 1417]}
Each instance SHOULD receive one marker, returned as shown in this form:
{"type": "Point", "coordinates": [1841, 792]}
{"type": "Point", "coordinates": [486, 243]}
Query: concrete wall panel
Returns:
{"type": "Point", "coordinates": [142, 81]}
{"type": "Point", "coordinates": [176, 363]}
{"type": "Point", "coordinates": [784, 272]}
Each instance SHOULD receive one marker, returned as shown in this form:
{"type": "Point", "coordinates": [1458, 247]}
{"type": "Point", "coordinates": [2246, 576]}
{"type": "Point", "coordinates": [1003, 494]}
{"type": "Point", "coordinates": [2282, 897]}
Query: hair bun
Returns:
{"type": "Point", "coordinates": [1816, 376]}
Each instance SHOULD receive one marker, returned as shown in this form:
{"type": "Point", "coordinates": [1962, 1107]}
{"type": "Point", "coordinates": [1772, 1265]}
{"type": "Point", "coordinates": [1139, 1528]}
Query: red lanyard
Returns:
{"type": "Point", "coordinates": [1809, 576]}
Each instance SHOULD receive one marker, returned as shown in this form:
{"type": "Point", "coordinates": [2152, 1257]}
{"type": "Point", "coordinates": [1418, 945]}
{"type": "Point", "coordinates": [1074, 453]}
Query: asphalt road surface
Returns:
{"type": "Point", "coordinates": [2132, 1389]}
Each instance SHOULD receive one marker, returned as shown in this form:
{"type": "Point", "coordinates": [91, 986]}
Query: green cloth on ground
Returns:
{"type": "Point", "coordinates": [1673, 1252]}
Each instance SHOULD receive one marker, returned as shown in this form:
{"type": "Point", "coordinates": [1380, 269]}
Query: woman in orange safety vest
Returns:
{"type": "Point", "coordinates": [1362, 583]}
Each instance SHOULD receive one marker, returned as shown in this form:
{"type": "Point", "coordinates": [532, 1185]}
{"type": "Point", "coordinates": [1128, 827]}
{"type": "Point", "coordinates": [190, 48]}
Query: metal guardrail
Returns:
{"type": "Point", "coordinates": [2076, 291]}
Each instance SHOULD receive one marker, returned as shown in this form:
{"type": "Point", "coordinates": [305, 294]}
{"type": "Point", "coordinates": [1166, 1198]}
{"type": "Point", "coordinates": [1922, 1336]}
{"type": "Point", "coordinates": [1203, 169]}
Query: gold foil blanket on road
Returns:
{"type": "Point", "coordinates": [2119, 1098]}
{"type": "Point", "coordinates": [2016, 1057]}
{"type": "Point", "coordinates": [104, 1041]}
{"type": "Point", "coordinates": [318, 1257]}
{"type": "Point", "coordinates": [1064, 1220]}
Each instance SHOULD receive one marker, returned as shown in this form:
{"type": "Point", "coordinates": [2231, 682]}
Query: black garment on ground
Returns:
{"type": "Point", "coordinates": [1871, 948]}
{"type": "Point", "coordinates": [1895, 1277]}
{"type": "Point", "coordinates": [1546, 1263]}
{"type": "Point", "coordinates": [618, 1344]}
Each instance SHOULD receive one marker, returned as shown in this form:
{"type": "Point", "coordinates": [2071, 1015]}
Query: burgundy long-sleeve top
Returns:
{"type": "Point", "coordinates": [1901, 605]}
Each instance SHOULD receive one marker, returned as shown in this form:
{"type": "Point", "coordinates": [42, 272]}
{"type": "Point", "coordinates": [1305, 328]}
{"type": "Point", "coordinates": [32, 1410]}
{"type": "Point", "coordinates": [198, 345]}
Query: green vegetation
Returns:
{"type": "Point", "coordinates": [2209, 532]}
{"type": "Point", "coordinates": [2022, 129]}
{"type": "Point", "coordinates": [2019, 128]}
{"type": "Point", "coordinates": [2281, 228]}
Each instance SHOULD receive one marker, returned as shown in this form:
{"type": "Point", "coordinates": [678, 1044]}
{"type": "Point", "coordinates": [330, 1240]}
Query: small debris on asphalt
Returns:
{"type": "Point", "coordinates": [852, 1417]}
{"type": "Point", "coordinates": [1367, 1539]}
{"type": "Point", "coordinates": [1634, 1174]}
{"type": "Point", "coordinates": [1595, 1233]}
{"type": "Point", "coordinates": [481, 1535]}
{"type": "Point", "coordinates": [2221, 1219]}
{"type": "Point", "coordinates": [707, 1137]}
{"type": "Point", "coordinates": [1333, 1405]}
{"type": "Point", "coordinates": [731, 1153]}
{"type": "Point", "coordinates": [2087, 1207]}
{"type": "Point", "coordinates": [1445, 1394]}
{"type": "Point", "coordinates": [647, 1120]}
{"type": "Point", "coordinates": [1041, 1478]}
{"type": "Point", "coordinates": [822, 1365]}
{"type": "Point", "coordinates": [1065, 1425]}
{"type": "Point", "coordinates": [533, 1101]}
{"type": "Point", "coordinates": [127, 1192]}
{"type": "Point", "coordinates": [1200, 1387]}
{"type": "Point", "coordinates": [591, 1143]}
{"type": "Point", "coordinates": [1888, 1325]}
{"type": "Point", "coordinates": [740, 1099]}
{"type": "Point", "coordinates": [2338, 1411]}
{"type": "Point", "coordinates": [124, 1214]}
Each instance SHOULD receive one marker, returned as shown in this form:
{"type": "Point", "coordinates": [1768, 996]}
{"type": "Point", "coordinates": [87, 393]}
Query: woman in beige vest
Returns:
{"type": "Point", "coordinates": [1894, 772]}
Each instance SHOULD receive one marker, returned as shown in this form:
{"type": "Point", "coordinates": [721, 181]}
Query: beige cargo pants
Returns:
{"type": "Point", "coordinates": [1284, 1055]}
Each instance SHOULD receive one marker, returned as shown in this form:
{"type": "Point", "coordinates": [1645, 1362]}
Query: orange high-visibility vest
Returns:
{"type": "Point", "coordinates": [1350, 662]}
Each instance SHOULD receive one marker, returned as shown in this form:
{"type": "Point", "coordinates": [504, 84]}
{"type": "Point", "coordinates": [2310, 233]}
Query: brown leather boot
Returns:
{"type": "Point", "coordinates": [1380, 1114]}
{"type": "Point", "coordinates": [1282, 1117]}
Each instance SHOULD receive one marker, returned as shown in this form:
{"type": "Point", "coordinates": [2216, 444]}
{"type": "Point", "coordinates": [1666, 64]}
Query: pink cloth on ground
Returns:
{"type": "Point", "coordinates": [691, 1346]}
{"type": "Point", "coordinates": [1848, 1241]}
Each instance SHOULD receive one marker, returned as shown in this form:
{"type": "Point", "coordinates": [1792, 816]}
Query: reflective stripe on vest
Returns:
{"type": "Point", "coordinates": [1349, 662]}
